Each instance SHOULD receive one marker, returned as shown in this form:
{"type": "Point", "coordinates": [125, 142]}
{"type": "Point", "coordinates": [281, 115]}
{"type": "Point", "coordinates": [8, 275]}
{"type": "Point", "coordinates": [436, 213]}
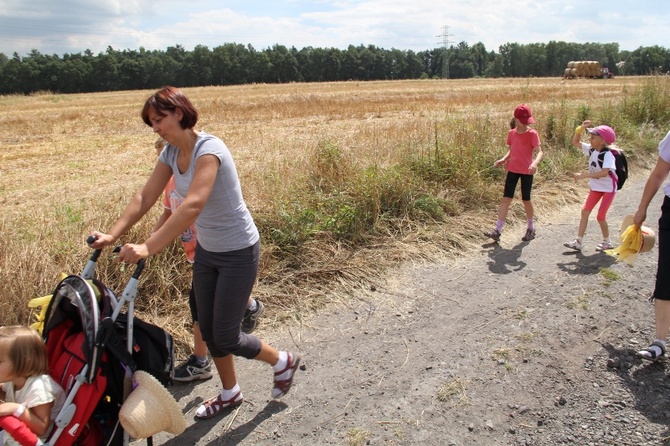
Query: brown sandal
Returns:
{"type": "Point", "coordinates": [216, 405]}
{"type": "Point", "coordinates": [282, 386]}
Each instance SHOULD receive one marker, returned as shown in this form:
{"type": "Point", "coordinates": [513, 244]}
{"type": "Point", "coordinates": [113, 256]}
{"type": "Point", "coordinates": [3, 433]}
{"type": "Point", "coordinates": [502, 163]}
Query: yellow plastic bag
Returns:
{"type": "Point", "coordinates": [42, 303]}
{"type": "Point", "coordinates": [631, 241]}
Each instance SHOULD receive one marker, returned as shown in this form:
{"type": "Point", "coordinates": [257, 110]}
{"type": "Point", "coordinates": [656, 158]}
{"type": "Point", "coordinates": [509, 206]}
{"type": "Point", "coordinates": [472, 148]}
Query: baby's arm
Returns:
{"type": "Point", "coordinates": [18, 430]}
{"type": "Point", "coordinates": [8, 408]}
{"type": "Point", "coordinates": [37, 418]}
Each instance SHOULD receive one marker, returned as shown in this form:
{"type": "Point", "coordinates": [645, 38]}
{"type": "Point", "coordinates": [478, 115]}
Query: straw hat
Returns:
{"type": "Point", "coordinates": [150, 409]}
{"type": "Point", "coordinates": [648, 235]}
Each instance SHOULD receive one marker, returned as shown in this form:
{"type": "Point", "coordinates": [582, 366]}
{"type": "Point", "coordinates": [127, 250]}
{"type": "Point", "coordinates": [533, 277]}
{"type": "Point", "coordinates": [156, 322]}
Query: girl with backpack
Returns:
{"type": "Point", "coordinates": [602, 180]}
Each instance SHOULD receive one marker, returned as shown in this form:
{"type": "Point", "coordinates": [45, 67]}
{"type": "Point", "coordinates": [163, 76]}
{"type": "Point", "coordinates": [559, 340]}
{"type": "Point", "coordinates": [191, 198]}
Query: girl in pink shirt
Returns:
{"type": "Point", "coordinates": [524, 143]}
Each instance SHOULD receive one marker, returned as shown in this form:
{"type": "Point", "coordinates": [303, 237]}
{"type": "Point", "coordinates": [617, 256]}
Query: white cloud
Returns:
{"type": "Point", "coordinates": [72, 26]}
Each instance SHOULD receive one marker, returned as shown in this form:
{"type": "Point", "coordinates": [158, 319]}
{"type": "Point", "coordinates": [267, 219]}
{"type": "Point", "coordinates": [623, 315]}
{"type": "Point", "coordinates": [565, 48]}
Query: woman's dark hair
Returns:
{"type": "Point", "coordinates": [167, 100]}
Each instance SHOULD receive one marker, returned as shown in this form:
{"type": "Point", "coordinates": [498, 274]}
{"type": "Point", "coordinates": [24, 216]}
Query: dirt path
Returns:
{"type": "Point", "coordinates": [518, 343]}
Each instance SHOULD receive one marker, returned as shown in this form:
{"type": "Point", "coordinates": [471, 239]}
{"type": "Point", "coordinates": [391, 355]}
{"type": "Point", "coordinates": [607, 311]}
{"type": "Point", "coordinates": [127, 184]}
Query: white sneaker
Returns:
{"type": "Point", "coordinates": [575, 244]}
{"type": "Point", "coordinates": [603, 246]}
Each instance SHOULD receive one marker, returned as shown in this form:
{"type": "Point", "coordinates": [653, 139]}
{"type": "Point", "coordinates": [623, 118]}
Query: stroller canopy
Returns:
{"type": "Point", "coordinates": [74, 303]}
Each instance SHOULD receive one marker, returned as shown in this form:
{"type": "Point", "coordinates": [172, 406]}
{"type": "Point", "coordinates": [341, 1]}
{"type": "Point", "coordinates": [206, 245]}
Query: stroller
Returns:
{"type": "Point", "coordinates": [93, 350]}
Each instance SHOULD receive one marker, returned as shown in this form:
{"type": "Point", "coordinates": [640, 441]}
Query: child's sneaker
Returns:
{"type": "Point", "coordinates": [575, 244]}
{"type": "Point", "coordinates": [192, 369]}
{"type": "Point", "coordinates": [250, 321]}
{"type": "Point", "coordinates": [494, 234]}
{"type": "Point", "coordinates": [530, 235]}
{"type": "Point", "coordinates": [604, 246]}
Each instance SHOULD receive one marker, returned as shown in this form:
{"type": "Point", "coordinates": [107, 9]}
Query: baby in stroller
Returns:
{"type": "Point", "coordinates": [28, 393]}
{"type": "Point", "coordinates": [94, 351]}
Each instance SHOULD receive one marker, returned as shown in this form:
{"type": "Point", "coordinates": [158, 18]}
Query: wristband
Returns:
{"type": "Point", "coordinates": [579, 130]}
{"type": "Point", "coordinates": [19, 411]}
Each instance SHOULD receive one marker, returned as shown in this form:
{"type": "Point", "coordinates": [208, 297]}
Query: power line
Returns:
{"type": "Point", "coordinates": [445, 45]}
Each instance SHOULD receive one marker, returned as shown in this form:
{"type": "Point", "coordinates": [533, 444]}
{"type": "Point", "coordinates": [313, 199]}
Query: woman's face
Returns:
{"type": "Point", "coordinates": [166, 125]}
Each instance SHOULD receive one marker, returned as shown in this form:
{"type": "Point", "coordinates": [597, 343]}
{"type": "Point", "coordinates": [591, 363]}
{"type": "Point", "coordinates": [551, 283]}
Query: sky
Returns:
{"type": "Point", "coordinates": [74, 26]}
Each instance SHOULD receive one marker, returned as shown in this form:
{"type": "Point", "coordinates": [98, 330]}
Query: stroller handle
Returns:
{"type": "Point", "coordinates": [94, 257]}
{"type": "Point", "coordinates": [140, 264]}
{"type": "Point", "coordinates": [96, 253]}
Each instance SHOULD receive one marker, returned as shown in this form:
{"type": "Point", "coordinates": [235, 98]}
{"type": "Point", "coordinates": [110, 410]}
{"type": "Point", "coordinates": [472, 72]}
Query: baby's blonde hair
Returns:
{"type": "Point", "coordinates": [25, 349]}
{"type": "Point", "coordinates": [160, 143]}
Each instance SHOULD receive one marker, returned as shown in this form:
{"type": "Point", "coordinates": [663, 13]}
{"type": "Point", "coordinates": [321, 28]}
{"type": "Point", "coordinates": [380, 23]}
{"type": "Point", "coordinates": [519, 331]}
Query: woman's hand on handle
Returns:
{"type": "Point", "coordinates": [98, 240]}
{"type": "Point", "coordinates": [132, 253]}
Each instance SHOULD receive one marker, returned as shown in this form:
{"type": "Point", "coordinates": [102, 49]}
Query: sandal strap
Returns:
{"type": "Point", "coordinates": [215, 405]}
{"type": "Point", "coordinates": [660, 345]}
{"type": "Point", "coordinates": [289, 365]}
{"type": "Point", "coordinates": [284, 385]}
{"type": "Point", "coordinates": [650, 352]}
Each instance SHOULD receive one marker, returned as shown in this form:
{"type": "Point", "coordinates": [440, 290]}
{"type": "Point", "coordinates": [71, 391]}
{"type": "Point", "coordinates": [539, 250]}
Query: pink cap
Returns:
{"type": "Point", "coordinates": [523, 114]}
{"type": "Point", "coordinates": [605, 132]}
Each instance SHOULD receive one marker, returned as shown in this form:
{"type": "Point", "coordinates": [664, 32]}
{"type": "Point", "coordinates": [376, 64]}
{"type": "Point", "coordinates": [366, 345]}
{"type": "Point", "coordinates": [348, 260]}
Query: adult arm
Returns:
{"type": "Point", "coordinates": [206, 169]}
{"type": "Point", "coordinates": [654, 182]}
{"type": "Point", "coordinates": [137, 208]}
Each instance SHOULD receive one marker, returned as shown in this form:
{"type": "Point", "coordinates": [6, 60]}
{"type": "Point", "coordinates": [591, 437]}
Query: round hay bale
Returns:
{"type": "Point", "coordinates": [595, 69]}
{"type": "Point", "coordinates": [571, 64]}
{"type": "Point", "coordinates": [567, 71]}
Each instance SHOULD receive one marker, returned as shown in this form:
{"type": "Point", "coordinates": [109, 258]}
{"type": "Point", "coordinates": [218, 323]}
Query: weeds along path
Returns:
{"type": "Point", "coordinates": [517, 343]}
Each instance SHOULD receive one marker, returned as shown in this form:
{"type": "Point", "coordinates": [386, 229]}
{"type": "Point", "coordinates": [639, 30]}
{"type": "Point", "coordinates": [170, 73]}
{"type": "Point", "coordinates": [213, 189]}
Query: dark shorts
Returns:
{"type": "Point", "coordinates": [192, 305]}
{"type": "Point", "coordinates": [223, 282]}
{"type": "Point", "coordinates": [662, 288]}
{"type": "Point", "coordinates": [510, 185]}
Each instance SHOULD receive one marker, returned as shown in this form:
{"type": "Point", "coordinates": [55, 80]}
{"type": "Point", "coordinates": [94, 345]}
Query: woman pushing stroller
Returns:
{"type": "Point", "coordinates": [228, 242]}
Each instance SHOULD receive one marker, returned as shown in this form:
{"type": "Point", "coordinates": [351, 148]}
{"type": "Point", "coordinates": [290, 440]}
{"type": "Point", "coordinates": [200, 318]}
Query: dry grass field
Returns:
{"type": "Point", "coordinates": [70, 163]}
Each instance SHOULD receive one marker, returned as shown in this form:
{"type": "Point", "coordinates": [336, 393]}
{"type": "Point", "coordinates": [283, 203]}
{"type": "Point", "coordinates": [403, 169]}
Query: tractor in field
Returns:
{"type": "Point", "coordinates": [586, 69]}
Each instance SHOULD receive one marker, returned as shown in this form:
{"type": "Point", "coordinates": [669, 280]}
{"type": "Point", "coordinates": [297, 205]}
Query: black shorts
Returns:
{"type": "Point", "coordinates": [662, 288]}
{"type": "Point", "coordinates": [192, 305]}
{"type": "Point", "coordinates": [510, 185]}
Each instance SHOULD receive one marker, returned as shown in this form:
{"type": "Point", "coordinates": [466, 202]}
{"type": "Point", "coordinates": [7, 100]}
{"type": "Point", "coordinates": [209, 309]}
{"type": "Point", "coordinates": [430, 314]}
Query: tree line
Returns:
{"type": "Point", "coordinates": [233, 63]}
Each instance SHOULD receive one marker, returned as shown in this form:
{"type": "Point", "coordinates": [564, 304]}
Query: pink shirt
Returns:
{"type": "Point", "coordinates": [171, 200]}
{"type": "Point", "coordinates": [521, 147]}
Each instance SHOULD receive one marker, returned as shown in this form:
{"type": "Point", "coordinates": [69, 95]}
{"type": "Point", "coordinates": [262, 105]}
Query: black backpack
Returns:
{"type": "Point", "coordinates": [620, 162]}
{"type": "Point", "coordinates": [153, 347]}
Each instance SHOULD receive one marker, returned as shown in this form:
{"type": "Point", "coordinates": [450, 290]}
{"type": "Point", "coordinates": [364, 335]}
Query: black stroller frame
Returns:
{"type": "Point", "coordinates": [76, 295]}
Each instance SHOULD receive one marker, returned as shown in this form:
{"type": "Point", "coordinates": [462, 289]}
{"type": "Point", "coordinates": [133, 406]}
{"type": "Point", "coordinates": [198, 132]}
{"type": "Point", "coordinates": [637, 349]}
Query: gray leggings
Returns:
{"type": "Point", "coordinates": [223, 282]}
